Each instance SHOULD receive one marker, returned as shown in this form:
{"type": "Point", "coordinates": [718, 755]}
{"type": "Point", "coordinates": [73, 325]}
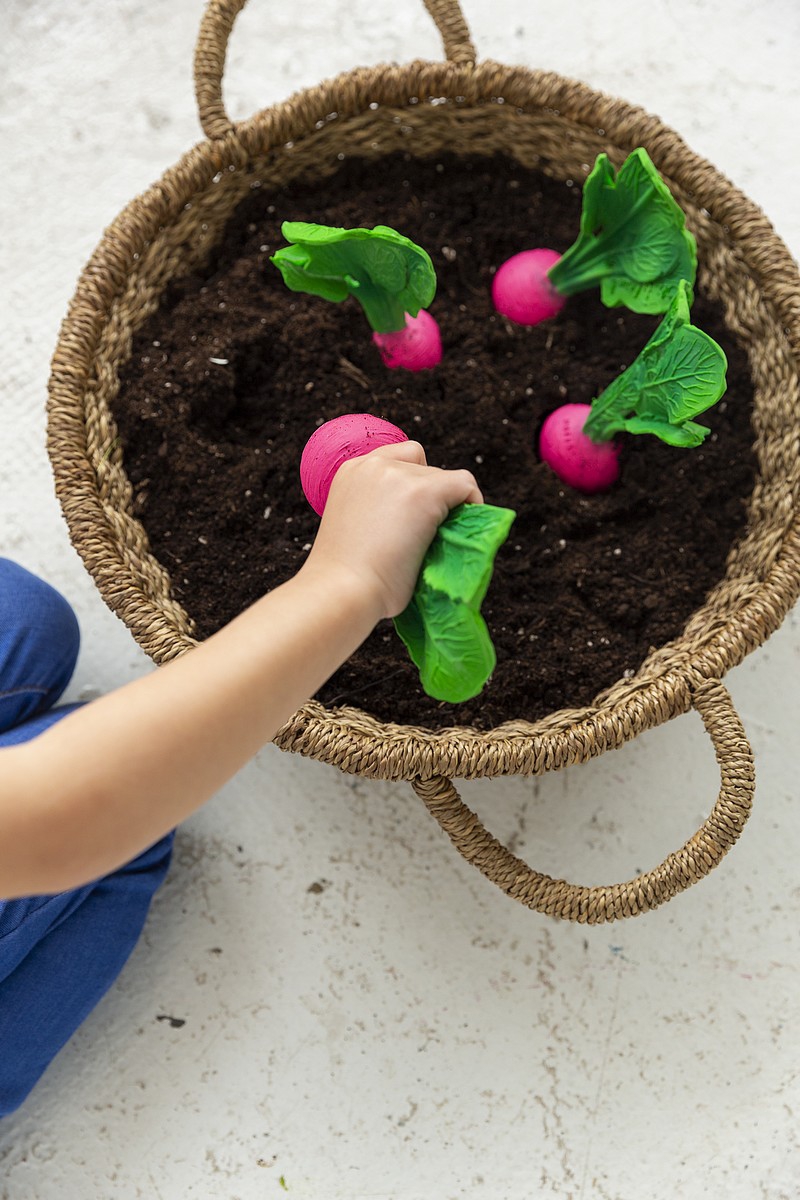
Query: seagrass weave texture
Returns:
{"type": "Point", "coordinates": [559, 126]}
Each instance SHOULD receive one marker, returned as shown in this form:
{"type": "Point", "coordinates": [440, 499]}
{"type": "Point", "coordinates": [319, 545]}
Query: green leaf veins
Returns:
{"type": "Point", "coordinates": [678, 375]}
{"type": "Point", "coordinates": [442, 627]}
{"type": "Point", "coordinates": [633, 243]}
{"type": "Point", "coordinates": [386, 273]}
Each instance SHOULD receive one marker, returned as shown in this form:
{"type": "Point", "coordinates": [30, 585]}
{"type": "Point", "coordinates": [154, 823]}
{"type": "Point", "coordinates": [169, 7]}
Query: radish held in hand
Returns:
{"type": "Point", "coordinates": [442, 627]}
{"type": "Point", "coordinates": [679, 374]}
{"type": "Point", "coordinates": [632, 244]}
{"type": "Point", "coordinates": [392, 279]}
{"type": "Point", "coordinates": [333, 444]}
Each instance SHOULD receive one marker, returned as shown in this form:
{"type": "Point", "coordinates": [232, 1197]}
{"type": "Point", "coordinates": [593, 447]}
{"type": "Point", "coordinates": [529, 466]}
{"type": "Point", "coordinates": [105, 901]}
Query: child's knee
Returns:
{"type": "Point", "coordinates": [39, 644]}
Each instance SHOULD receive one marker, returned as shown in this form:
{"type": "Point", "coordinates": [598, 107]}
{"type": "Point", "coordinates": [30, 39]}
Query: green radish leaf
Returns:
{"type": "Point", "coordinates": [633, 243]}
{"type": "Point", "coordinates": [386, 265]}
{"type": "Point", "coordinates": [460, 559]}
{"type": "Point", "coordinates": [688, 434]}
{"type": "Point", "coordinates": [617, 290]}
{"type": "Point", "coordinates": [297, 277]}
{"type": "Point", "coordinates": [448, 643]}
{"type": "Point", "coordinates": [442, 627]}
{"type": "Point", "coordinates": [387, 273]}
{"type": "Point", "coordinates": [678, 375]}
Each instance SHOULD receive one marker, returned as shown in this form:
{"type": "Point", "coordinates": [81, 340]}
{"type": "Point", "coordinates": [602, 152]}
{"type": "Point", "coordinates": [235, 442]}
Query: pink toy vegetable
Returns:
{"type": "Point", "coordinates": [585, 465]}
{"type": "Point", "coordinates": [333, 444]}
{"type": "Point", "coordinates": [521, 290]}
{"type": "Point", "coordinates": [391, 278]}
{"type": "Point", "coordinates": [416, 347]}
{"type": "Point", "coordinates": [632, 245]}
{"type": "Point", "coordinates": [678, 375]}
{"type": "Point", "coordinates": [442, 627]}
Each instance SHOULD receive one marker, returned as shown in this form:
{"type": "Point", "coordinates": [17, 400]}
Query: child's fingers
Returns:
{"type": "Point", "coordinates": [411, 452]}
{"type": "Point", "coordinates": [460, 487]}
{"type": "Point", "coordinates": [451, 487]}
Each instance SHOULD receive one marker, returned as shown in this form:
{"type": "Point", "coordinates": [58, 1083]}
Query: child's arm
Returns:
{"type": "Point", "coordinates": [110, 779]}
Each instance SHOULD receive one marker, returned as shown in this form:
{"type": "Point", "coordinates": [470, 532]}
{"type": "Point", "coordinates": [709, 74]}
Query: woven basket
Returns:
{"type": "Point", "coordinates": [543, 121]}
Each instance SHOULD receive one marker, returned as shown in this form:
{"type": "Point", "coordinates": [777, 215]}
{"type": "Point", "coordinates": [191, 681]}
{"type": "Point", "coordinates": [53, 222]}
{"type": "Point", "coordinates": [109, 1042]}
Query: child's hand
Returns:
{"type": "Point", "coordinates": [382, 514]}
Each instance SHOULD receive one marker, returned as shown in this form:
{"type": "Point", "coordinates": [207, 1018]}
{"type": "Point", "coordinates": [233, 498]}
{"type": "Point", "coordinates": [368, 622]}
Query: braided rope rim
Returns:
{"type": "Point", "coordinates": [544, 118]}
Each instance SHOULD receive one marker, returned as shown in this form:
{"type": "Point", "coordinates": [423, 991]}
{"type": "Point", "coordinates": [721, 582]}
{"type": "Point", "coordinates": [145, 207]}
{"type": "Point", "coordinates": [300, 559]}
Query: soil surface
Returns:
{"type": "Point", "coordinates": [234, 372]}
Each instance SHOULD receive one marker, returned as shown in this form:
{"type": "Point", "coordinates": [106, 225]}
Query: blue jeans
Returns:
{"type": "Point", "coordinates": [59, 954]}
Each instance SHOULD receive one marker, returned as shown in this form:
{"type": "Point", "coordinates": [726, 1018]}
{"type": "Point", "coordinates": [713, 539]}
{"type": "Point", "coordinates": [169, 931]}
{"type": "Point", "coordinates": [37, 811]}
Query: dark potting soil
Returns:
{"type": "Point", "coordinates": [234, 372]}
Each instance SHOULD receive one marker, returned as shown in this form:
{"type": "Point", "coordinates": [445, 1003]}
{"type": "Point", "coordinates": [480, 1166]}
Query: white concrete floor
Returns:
{"type": "Point", "coordinates": [407, 1031]}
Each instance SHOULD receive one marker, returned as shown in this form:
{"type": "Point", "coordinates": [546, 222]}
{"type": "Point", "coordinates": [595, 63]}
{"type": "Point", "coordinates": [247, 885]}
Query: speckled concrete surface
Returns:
{"type": "Point", "coordinates": [402, 1030]}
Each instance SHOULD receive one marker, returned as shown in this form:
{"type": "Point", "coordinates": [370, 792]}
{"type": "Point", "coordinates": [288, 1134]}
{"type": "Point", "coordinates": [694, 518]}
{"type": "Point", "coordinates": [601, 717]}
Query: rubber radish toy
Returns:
{"type": "Point", "coordinates": [678, 375]}
{"type": "Point", "coordinates": [632, 244]}
{"type": "Point", "coordinates": [442, 627]}
{"type": "Point", "coordinates": [392, 279]}
{"type": "Point", "coordinates": [584, 464]}
{"type": "Point", "coordinates": [522, 291]}
{"type": "Point", "coordinates": [333, 444]}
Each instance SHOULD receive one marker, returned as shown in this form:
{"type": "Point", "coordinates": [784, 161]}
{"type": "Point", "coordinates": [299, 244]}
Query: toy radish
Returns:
{"type": "Point", "coordinates": [522, 291]}
{"type": "Point", "coordinates": [333, 443]}
{"type": "Point", "coordinates": [442, 627]}
{"type": "Point", "coordinates": [585, 465]}
{"type": "Point", "coordinates": [392, 279]}
{"type": "Point", "coordinates": [633, 245]}
{"type": "Point", "coordinates": [678, 375]}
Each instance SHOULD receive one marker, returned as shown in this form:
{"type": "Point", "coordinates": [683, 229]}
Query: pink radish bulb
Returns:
{"type": "Point", "coordinates": [417, 347]}
{"type": "Point", "coordinates": [585, 465]}
{"type": "Point", "coordinates": [521, 290]}
{"type": "Point", "coordinates": [333, 444]}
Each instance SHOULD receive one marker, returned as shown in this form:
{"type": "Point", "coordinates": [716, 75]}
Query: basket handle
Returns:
{"type": "Point", "coordinates": [594, 905]}
{"type": "Point", "coordinates": [212, 44]}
